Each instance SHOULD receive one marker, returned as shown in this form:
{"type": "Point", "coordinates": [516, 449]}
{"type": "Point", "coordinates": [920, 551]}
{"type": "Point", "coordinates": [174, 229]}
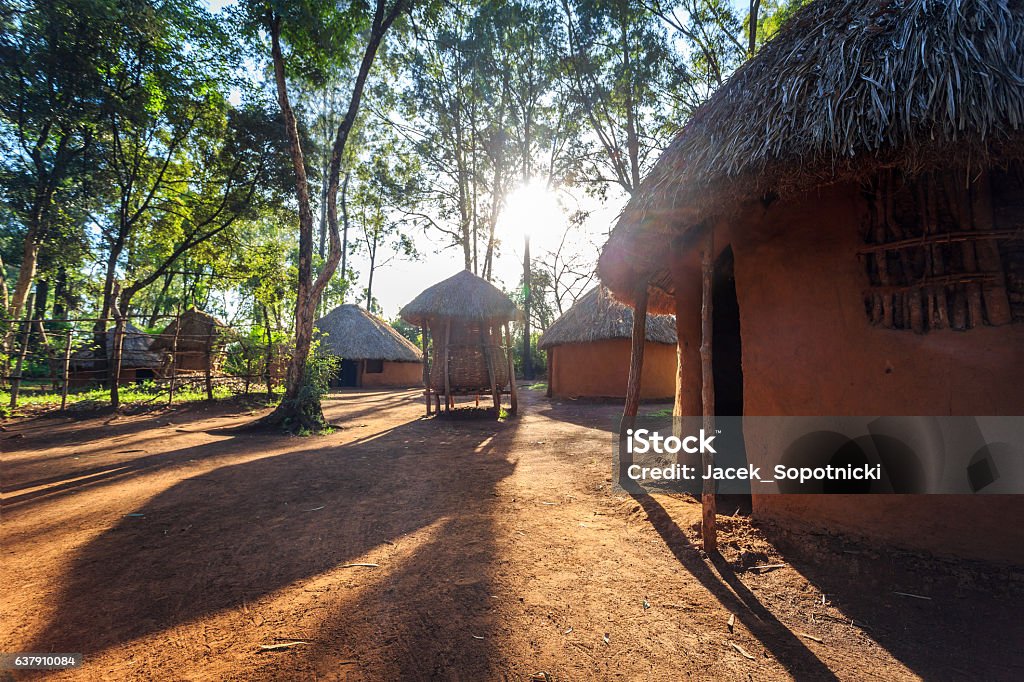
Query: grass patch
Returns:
{"type": "Point", "coordinates": [539, 386]}
{"type": "Point", "coordinates": [666, 412]}
{"type": "Point", "coordinates": [147, 393]}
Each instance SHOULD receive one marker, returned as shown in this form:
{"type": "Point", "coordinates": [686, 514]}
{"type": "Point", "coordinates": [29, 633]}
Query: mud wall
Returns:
{"type": "Point", "coordinates": [600, 369]}
{"type": "Point", "coordinates": [394, 374]}
{"type": "Point", "coordinates": [809, 349]}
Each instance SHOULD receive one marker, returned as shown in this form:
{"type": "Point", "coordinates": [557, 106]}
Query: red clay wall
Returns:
{"type": "Point", "coordinates": [601, 370]}
{"type": "Point", "coordinates": [395, 374]}
{"type": "Point", "coordinates": [808, 349]}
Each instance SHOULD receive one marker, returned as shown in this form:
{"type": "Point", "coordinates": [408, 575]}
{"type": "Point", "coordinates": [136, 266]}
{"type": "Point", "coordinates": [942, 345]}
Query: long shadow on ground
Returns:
{"type": "Point", "coordinates": [800, 661]}
{"type": "Point", "coordinates": [243, 531]}
{"type": "Point", "coordinates": [968, 628]}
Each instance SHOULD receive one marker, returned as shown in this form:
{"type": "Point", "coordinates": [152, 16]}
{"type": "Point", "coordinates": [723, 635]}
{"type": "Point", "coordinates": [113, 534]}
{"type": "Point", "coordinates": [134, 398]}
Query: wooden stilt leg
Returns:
{"type": "Point", "coordinates": [426, 366]}
{"type": "Point", "coordinates": [512, 389]}
{"type": "Point", "coordinates": [447, 380]}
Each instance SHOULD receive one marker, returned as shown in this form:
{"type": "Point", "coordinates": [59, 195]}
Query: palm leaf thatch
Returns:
{"type": "Point", "coordinates": [136, 351]}
{"type": "Point", "coordinates": [351, 333]}
{"type": "Point", "coordinates": [845, 88]}
{"type": "Point", "coordinates": [462, 296]}
{"type": "Point", "coordinates": [596, 316]}
{"type": "Point", "coordinates": [196, 332]}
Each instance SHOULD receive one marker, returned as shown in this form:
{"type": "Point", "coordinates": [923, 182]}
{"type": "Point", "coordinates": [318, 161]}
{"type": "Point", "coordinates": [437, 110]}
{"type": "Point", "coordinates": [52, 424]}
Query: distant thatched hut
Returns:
{"type": "Point", "coordinates": [372, 353]}
{"type": "Point", "coordinates": [195, 339]}
{"type": "Point", "coordinates": [139, 360]}
{"type": "Point", "coordinates": [857, 190]}
{"type": "Point", "coordinates": [464, 320]}
{"type": "Point", "coordinates": [588, 350]}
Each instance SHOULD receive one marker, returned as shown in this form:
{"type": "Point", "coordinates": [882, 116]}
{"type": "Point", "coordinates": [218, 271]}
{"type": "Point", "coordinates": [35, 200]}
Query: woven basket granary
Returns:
{"type": "Point", "coordinates": [471, 344]}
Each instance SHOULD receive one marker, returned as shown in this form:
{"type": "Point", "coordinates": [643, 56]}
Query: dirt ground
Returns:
{"type": "Point", "coordinates": [172, 545]}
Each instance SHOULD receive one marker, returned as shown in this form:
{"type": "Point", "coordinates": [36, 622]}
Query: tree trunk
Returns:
{"type": "Point", "coordinates": [755, 8]}
{"type": "Point", "coordinates": [61, 295]}
{"type": "Point", "coordinates": [344, 233]}
{"type": "Point", "coordinates": [298, 408]}
{"type": "Point", "coordinates": [42, 301]}
{"type": "Point", "coordinates": [26, 273]}
{"type": "Point", "coordinates": [369, 280]}
{"type": "Point", "coordinates": [158, 303]}
{"type": "Point", "coordinates": [4, 296]}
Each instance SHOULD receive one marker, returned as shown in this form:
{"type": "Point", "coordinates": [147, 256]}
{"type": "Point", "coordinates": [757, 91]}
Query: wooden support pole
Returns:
{"type": "Point", "coordinates": [67, 369]}
{"type": "Point", "coordinates": [686, 281]}
{"type": "Point", "coordinates": [174, 357]}
{"type": "Point", "coordinates": [426, 365]}
{"type": "Point", "coordinates": [209, 366]}
{"type": "Point", "coordinates": [447, 380]}
{"type": "Point", "coordinates": [636, 358]}
{"type": "Point", "coordinates": [707, 498]}
{"type": "Point", "coordinates": [25, 337]}
{"type": "Point", "coordinates": [485, 338]}
{"type": "Point", "coordinates": [513, 390]}
{"type": "Point", "coordinates": [116, 352]}
{"type": "Point", "coordinates": [633, 384]}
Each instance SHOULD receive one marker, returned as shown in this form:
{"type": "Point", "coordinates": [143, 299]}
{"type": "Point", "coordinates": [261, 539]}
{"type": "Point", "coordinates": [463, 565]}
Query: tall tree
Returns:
{"type": "Point", "coordinates": [52, 56]}
{"type": "Point", "coordinates": [314, 37]}
{"type": "Point", "coordinates": [379, 204]}
{"type": "Point", "coordinates": [480, 107]}
{"type": "Point", "coordinates": [620, 68]}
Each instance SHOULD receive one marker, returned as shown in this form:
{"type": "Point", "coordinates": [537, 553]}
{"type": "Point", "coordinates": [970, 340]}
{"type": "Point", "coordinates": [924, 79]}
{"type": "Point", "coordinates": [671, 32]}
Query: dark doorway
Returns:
{"type": "Point", "coordinates": [726, 347]}
{"type": "Point", "coordinates": [727, 365]}
{"type": "Point", "coordinates": [348, 375]}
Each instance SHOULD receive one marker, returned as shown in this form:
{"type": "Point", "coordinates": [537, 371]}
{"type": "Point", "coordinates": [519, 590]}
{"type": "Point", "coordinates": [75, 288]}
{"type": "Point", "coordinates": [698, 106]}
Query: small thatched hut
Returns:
{"type": "Point", "coordinates": [195, 340]}
{"type": "Point", "coordinates": [851, 200]}
{"type": "Point", "coordinates": [588, 350]}
{"type": "Point", "coordinates": [464, 320]}
{"type": "Point", "coordinates": [139, 360]}
{"type": "Point", "coordinates": [372, 353]}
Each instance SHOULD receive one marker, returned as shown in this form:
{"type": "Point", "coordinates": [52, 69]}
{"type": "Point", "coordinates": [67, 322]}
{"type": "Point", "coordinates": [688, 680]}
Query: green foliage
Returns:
{"type": "Point", "coordinates": [142, 151]}
{"type": "Point", "coordinates": [318, 371]}
{"type": "Point", "coordinates": [409, 331]}
{"type": "Point", "coordinates": [538, 356]}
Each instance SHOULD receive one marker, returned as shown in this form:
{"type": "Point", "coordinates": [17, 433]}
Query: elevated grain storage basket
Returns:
{"type": "Point", "coordinates": [464, 323]}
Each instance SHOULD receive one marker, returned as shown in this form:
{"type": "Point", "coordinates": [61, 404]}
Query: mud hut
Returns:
{"type": "Point", "coordinates": [372, 353]}
{"type": "Point", "coordinates": [848, 207]}
{"type": "Point", "coordinates": [194, 340]}
{"type": "Point", "coordinates": [588, 350]}
{"type": "Point", "coordinates": [464, 323]}
{"type": "Point", "coordinates": [139, 360]}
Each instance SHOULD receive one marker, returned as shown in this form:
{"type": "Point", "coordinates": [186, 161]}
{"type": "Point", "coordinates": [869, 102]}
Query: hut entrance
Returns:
{"type": "Point", "coordinates": [727, 354]}
{"type": "Point", "coordinates": [348, 374]}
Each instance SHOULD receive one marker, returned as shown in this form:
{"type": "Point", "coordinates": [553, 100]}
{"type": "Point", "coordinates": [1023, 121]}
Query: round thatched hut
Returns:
{"type": "Point", "coordinates": [464, 320]}
{"type": "Point", "coordinates": [140, 360]}
{"type": "Point", "coordinates": [372, 353]}
{"type": "Point", "coordinates": [194, 340]}
{"type": "Point", "coordinates": [847, 207]}
{"type": "Point", "coordinates": [588, 350]}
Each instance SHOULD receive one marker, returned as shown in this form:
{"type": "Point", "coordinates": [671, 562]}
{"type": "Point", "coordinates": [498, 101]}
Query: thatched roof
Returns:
{"type": "Point", "coordinates": [847, 86]}
{"type": "Point", "coordinates": [596, 316]}
{"type": "Point", "coordinates": [463, 296]}
{"type": "Point", "coordinates": [351, 333]}
{"type": "Point", "coordinates": [136, 351]}
{"type": "Point", "coordinates": [198, 332]}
